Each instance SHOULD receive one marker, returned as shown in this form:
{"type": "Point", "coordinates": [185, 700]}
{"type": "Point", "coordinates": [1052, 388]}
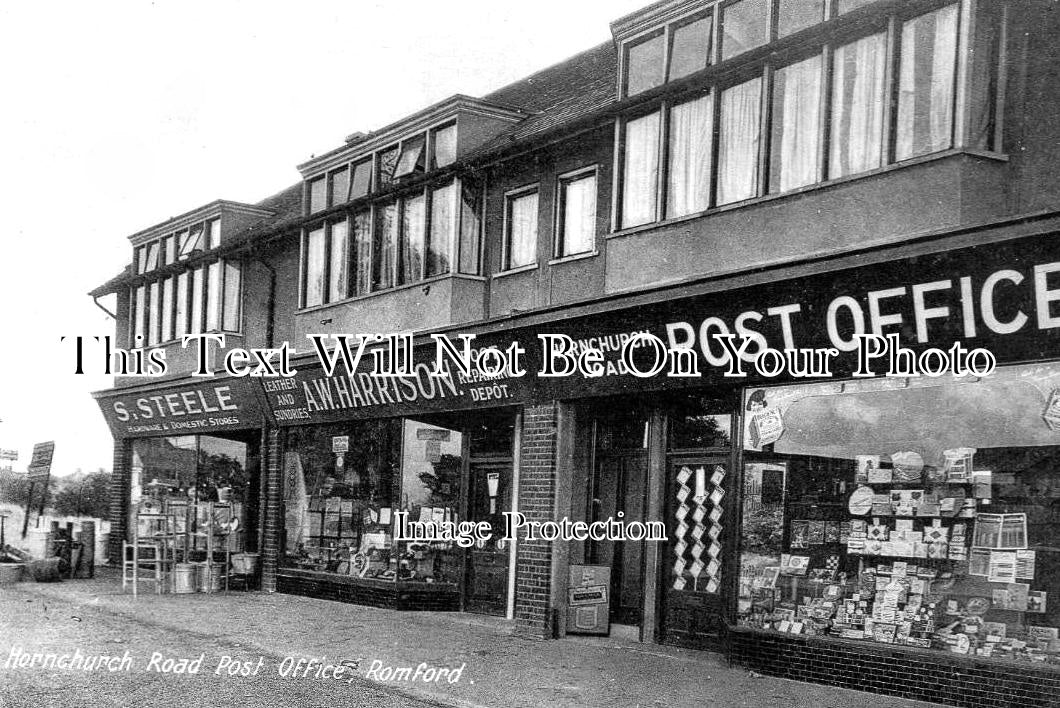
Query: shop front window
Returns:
{"type": "Point", "coordinates": [184, 476]}
{"type": "Point", "coordinates": [914, 512]}
{"type": "Point", "coordinates": [344, 485]}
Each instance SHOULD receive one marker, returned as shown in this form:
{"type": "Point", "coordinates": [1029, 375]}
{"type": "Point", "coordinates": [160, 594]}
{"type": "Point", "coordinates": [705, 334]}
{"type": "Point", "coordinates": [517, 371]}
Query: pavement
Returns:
{"type": "Point", "coordinates": [251, 643]}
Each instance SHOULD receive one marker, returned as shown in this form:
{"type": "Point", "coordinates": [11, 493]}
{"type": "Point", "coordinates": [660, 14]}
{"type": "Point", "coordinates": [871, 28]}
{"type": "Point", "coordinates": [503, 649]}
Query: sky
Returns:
{"type": "Point", "coordinates": [117, 115]}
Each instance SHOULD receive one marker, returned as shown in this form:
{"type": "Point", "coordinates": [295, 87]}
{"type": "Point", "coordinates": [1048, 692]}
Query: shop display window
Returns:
{"type": "Point", "coordinates": [343, 485]}
{"type": "Point", "coordinates": [918, 512]}
{"type": "Point", "coordinates": [185, 476]}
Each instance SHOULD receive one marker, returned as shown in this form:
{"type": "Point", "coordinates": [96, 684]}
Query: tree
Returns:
{"type": "Point", "coordinates": [83, 496]}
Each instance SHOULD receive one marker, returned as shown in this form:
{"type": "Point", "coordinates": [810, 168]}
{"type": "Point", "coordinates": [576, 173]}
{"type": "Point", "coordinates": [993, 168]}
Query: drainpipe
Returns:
{"type": "Point", "coordinates": [95, 300]}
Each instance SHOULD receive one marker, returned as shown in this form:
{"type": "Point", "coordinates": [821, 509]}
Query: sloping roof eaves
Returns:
{"type": "Point", "coordinates": [286, 206]}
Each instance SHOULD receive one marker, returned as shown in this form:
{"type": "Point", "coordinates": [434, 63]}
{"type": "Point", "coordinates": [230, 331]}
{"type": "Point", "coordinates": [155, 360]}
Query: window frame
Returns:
{"type": "Point", "coordinates": [509, 197]}
{"type": "Point", "coordinates": [764, 61]}
{"type": "Point", "coordinates": [163, 323]}
{"type": "Point", "coordinates": [666, 31]}
{"type": "Point", "coordinates": [559, 227]}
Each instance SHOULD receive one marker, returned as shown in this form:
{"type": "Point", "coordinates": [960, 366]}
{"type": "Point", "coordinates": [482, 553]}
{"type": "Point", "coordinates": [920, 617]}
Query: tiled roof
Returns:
{"type": "Point", "coordinates": [572, 89]}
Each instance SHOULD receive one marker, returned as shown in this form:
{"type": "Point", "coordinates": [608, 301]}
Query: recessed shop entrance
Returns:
{"type": "Point", "coordinates": [663, 464]}
{"type": "Point", "coordinates": [486, 578]}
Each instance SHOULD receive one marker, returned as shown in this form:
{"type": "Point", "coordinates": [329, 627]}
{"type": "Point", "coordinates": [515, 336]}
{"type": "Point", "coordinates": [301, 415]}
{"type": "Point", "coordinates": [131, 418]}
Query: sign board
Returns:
{"type": "Point", "coordinates": [8, 454]}
{"type": "Point", "coordinates": [1014, 286]}
{"type": "Point", "coordinates": [41, 464]}
{"type": "Point", "coordinates": [204, 406]}
{"type": "Point", "coordinates": [340, 443]}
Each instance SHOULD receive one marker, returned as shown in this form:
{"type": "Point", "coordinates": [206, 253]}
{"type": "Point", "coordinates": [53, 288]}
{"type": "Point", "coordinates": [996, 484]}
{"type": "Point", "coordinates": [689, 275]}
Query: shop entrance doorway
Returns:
{"type": "Point", "coordinates": [489, 497]}
{"type": "Point", "coordinates": [619, 485]}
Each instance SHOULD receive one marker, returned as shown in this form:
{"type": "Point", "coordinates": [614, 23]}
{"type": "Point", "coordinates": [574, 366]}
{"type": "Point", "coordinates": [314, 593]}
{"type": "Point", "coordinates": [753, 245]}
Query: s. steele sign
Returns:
{"type": "Point", "coordinates": [187, 409]}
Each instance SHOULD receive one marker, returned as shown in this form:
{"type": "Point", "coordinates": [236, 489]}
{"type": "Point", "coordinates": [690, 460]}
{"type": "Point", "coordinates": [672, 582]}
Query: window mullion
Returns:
{"type": "Point", "coordinates": [765, 115]}
{"type": "Point", "coordinates": [617, 178]}
{"type": "Point", "coordinates": [371, 247]}
{"type": "Point", "coordinates": [715, 132]}
{"type": "Point", "coordinates": [964, 73]}
{"type": "Point", "coordinates": [662, 188]}
{"type": "Point", "coordinates": [303, 272]}
{"type": "Point", "coordinates": [823, 120]}
{"type": "Point", "coordinates": [890, 83]}
{"type": "Point", "coordinates": [425, 247]}
{"type": "Point", "coordinates": [667, 53]}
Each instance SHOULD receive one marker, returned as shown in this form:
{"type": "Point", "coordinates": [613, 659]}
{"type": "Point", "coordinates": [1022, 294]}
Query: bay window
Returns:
{"type": "Point", "coordinates": [167, 309]}
{"type": "Point", "coordinates": [520, 229]}
{"type": "Point", "coordinates": [391, 243]}
{"type": "Point", "coordinates": [576, 232]}
{"type": "Point", "coordinates": [801, 114]}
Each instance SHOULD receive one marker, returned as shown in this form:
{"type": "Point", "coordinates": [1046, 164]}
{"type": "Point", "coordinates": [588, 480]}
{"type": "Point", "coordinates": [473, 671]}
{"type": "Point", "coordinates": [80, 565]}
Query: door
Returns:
{"type": "Point", "coordinates": [697, 514]}
{"type": "Point", "coordinates": [619, 487]}
{"type": "Point", "coordinates": [486, 579]}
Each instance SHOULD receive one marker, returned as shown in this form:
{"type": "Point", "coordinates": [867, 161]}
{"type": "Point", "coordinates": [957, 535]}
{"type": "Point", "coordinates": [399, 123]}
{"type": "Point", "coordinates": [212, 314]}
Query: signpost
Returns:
{"type": "Point", "coordinates": [40, 468]}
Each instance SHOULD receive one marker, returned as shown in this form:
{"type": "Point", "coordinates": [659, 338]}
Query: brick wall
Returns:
{"type": "Point", "coordinates": [922, 674]}
{"type": "Point", "coordinates": [272, 468]}
{"type": "Point", "coordinates": [119, 499]}
{"type": "Point", "coordinates": [537, 486]}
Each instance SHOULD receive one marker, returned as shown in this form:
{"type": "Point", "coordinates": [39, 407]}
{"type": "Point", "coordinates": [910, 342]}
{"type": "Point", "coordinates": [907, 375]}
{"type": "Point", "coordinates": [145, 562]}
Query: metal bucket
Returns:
{"type": "Point", "coordinates": [213, 582]}
{"type": "Point", "coordinates": [185, 578]}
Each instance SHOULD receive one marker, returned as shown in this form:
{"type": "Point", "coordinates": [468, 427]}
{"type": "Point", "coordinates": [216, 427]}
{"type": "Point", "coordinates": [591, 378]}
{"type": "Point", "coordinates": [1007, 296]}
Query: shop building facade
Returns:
{"type": "Point", "coordinates": [792, 173]}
